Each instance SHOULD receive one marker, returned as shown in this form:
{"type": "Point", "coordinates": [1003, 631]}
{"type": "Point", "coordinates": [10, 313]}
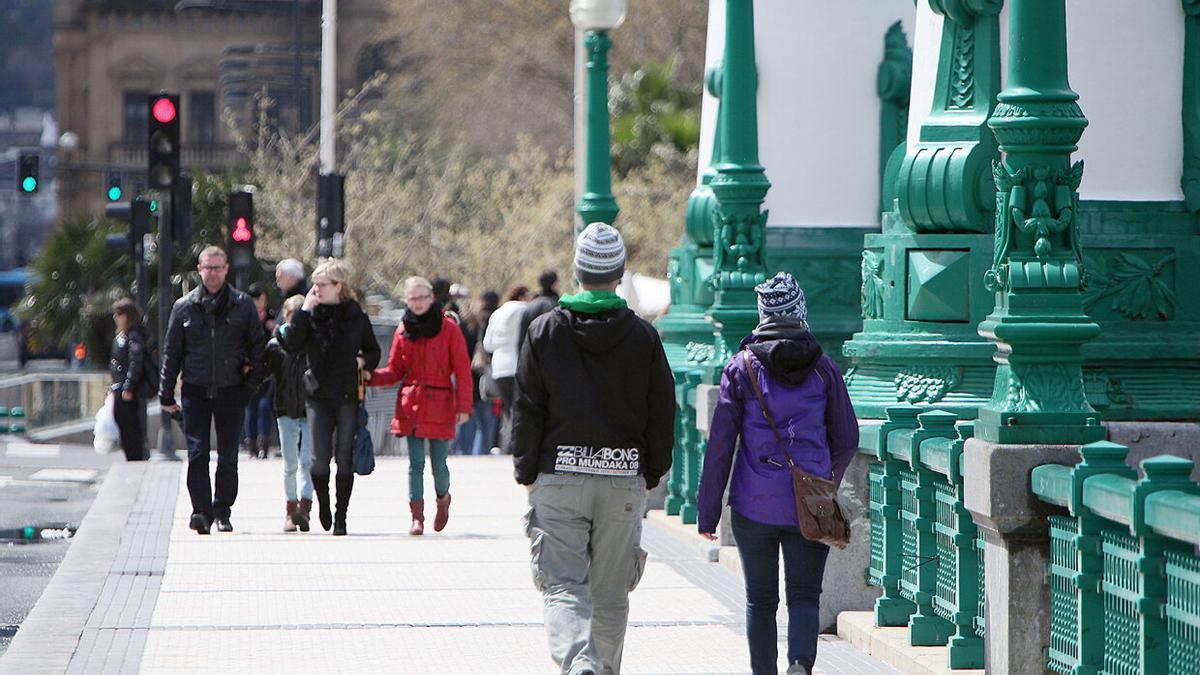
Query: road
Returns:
{"type": "Point", "coordinates": [44, 487]}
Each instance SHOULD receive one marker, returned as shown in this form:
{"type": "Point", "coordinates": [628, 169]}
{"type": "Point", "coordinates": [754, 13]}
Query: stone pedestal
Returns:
{"type": "Point", "coordinates": [1017, 546]}
{"type": "Point", "coordinates": [1148, 439]}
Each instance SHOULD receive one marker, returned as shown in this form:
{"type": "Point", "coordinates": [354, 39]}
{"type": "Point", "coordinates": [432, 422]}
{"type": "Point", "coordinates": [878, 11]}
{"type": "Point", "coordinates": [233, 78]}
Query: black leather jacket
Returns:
{"type": "Point", "coordinates": [286, 368]}
{"type": "Point", "coordinates": [210, 339]}
{"type": "Point", "coordinates": [128, 358]}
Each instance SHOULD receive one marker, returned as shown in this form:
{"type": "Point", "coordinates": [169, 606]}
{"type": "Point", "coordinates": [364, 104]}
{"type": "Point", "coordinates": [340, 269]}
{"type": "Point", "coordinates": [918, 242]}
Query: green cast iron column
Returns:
{"type": "Point", "coordinates": [1038, 324]}
{"type": "Point", "coordinates": [597, 205]}
{"type": "Point", "coordinates": [740, 185]}
{"type": "Point", "coordinates": [918, 344]}
{"type": "Point", "coordinates": [893, 83]}
{"type": "Point", "coordinates": [689, 271]}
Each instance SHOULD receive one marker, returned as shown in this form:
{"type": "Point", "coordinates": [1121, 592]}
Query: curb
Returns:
{"type": "Point", "coordinates": [891, 646]}
{"type": "Point", "coordinates": [49, 635]}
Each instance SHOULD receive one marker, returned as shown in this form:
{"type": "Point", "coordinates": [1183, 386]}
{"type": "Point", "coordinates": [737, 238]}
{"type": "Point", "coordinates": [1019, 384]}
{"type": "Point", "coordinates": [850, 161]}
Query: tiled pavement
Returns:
{"type": "Point", "coordinates": [261, 601]}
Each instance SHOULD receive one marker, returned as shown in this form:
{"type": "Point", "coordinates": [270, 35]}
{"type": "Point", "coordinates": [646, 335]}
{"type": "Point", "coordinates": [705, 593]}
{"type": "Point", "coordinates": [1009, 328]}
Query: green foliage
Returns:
{"type": "Point", "coordinates": [76, 279]}
{"type": "Point", "coordinates": [653, 115]}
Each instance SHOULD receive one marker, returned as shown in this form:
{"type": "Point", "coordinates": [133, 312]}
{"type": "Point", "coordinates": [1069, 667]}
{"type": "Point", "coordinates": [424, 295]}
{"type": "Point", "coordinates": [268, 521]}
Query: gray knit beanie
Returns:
{"type": "Point", "coordinates": [599, 255]}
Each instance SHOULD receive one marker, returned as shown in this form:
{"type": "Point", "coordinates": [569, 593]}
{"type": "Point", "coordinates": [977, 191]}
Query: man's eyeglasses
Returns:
{"type": "Point", "coordinates": [212, 268]}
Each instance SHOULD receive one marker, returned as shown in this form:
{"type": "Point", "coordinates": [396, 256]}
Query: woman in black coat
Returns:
{"type": "Point", "coordinates": [127, 366]}
{"type": "Point", "coordinates": [336, 334]}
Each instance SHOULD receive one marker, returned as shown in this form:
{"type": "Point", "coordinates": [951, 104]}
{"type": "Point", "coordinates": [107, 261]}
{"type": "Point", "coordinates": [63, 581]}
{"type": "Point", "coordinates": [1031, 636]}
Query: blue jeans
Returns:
{"type": "Point", "coordinates": [296, 443]}
{"type": "Point", "coordinates": [259, 415]}
{"type": "Point", "coordinates": [438, 450]}
{"type": "Point", "coordinates": [803, 568]}
{"type": "Point", "coordinates": [477, 435]}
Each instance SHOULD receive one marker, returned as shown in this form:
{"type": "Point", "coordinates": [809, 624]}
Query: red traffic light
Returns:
{"type": "Point", "coordinates": [241, 232]}
{"type": "Point", "coordinates": [163, 110]}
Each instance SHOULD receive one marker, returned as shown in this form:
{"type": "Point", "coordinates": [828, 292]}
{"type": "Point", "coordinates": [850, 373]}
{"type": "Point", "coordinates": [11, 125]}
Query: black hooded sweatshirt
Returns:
{"type": "Point", "coordinates": [786, 348]}
{"type": "Point", "coordinates": [595, 395]}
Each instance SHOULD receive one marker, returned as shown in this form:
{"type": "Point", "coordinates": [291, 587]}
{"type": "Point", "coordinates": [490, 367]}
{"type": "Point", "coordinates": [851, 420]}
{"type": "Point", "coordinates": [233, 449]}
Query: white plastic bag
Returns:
{"type": "Point", "coordinates": [106, 435]}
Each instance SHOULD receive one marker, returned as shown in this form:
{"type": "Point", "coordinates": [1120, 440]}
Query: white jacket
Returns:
{"type": "Point", "coordinates": [500, 340]}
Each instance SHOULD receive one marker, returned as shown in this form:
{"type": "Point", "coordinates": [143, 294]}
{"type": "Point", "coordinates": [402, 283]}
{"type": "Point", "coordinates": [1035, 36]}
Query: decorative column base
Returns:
{"type": "Point", "coordinates": [1016, 550]}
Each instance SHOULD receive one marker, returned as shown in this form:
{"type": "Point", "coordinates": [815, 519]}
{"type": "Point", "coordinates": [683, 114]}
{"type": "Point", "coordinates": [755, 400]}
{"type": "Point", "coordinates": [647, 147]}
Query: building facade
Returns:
{"type": "Point", "coordinates": [223, 59]}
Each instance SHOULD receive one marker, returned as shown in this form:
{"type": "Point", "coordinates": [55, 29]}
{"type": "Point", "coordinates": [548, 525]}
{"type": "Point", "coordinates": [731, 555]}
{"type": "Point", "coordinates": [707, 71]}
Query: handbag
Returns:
{"type": "Point", "coordinates": [817, 509]}
{"type": "Point", "coordinates": [364, 445]}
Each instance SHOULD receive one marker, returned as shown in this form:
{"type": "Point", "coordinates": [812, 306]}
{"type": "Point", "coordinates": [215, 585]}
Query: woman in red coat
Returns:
{"type": "Point", "coordinates": [429, 357]}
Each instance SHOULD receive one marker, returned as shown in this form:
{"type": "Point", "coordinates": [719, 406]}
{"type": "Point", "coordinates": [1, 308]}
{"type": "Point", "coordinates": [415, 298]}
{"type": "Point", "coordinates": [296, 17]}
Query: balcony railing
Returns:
{"type": "Point", "coordinates": [215, 156]}
{"type": "Point", "coordinates": [1123, 569]}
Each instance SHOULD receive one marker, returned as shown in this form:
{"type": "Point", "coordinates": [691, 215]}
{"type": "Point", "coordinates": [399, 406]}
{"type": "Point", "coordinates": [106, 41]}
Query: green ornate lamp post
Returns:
{"type": "Point", "coordinates": [596, 18]}
{"type": "Point", "coordinates": [739, 186]}
{"type": "Point", "coordinates": [686, 333]}
{"type": "Point", "coordinates": [1038, 324]}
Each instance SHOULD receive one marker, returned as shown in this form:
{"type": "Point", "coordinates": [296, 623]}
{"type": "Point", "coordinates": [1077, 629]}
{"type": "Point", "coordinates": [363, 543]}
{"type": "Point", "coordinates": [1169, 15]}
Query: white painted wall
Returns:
{"type": "Point", "coordinates": [818, 113]}
{"type": "Point", "coordinates": [1126, 64]}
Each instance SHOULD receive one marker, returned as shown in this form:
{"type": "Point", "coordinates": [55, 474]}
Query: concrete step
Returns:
{"type": "Point", "coordinates": [890, 645]}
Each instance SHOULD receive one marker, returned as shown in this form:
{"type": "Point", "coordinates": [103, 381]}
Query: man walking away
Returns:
{"type": "Point", "coordinates": [546, 301]}
{"type": "Point", "coordinates": [215, 338]}
{"type": "Point", "coordinates": [594, 427]}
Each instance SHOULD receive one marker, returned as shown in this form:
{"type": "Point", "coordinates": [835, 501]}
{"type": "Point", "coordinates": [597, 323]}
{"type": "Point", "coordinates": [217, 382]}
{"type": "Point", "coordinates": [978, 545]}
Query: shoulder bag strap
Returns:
{"type": "Point", "coordinates": [762, 403]}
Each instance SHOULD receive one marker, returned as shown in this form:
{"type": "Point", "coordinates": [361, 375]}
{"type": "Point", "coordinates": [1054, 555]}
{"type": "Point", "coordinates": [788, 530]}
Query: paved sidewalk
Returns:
{"type": "Point", "coordinates": [262, 601]}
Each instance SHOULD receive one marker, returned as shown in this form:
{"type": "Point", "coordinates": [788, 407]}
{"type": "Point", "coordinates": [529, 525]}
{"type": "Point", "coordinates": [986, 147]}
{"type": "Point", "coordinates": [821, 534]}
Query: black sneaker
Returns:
{"type": "Point", "coordinates": [223, 525]}
{"type": "Point", "coordinates": [199, 523]}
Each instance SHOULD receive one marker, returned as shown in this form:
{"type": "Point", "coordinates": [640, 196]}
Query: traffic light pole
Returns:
{"type": "Point", "coordinates": [166, 436]}
{"type": "Point", "coordinates": [141, 277]}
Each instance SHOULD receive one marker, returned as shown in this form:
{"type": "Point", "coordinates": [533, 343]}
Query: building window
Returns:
{"type": "Point", "coordinates": [135, 114]}
{"type": "Point", "coordinates": [202, 118]}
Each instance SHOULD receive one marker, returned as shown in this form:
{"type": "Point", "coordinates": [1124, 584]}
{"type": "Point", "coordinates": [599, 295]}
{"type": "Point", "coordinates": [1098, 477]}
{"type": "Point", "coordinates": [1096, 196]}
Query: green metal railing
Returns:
{"type": "Point", "coordinates": [926, 553]}
{"type": "Point", "coordinates": [1124, 570]}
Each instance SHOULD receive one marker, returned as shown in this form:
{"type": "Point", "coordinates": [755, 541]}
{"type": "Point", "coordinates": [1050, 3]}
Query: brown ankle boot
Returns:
{"type": "Point", "coordinates": [289, 525]}
{"type": "Point", "coordinates": [443, 513]}
{"type": "Point", "coordinates": [417, 507]}
{"type": "Point", "coordinates": [301, 514]}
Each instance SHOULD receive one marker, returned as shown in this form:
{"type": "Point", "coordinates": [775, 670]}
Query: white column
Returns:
{"type": "Point", "coordinates": [328, 86]}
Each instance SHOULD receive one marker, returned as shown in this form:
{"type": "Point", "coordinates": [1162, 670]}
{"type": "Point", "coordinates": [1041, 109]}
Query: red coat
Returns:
{"type": "Point", "coordinates": [428, 398]}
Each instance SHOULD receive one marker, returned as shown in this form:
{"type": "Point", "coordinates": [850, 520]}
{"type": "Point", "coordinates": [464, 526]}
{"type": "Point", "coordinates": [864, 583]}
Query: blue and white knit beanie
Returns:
{"type": "Point", "coordinates": [781, 296]}
{"type": "Point", "coordinates": [599, 254]}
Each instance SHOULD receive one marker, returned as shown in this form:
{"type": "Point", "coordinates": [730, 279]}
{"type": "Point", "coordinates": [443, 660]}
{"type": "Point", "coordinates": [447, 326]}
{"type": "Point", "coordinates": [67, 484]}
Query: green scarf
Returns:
{"type": "Point", "coordinates": [592, 302]}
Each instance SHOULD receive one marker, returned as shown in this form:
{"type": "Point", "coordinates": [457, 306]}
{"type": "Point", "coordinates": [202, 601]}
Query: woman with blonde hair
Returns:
{"type": "Point", "coordinates": [429, 357]}
{"type": "Point", "coordinates": [336, 334]}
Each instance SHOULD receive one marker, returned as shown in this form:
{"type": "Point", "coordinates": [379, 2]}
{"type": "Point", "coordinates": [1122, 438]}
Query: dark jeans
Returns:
{"type": "Point", "coordinates": [803, 568]}
{"type": "Point", "coordinates": [260, 416]}
{"type": "Point", "coordinates": [507, 387]}
{"type": "Point", "coordinates": [199, 414]}
{"type": "Point", "coordinates": [477, 435]}
{"type": "Point", "coordinates": [129, 423]}
{"type": "Point", "coordinates": [333, 425]}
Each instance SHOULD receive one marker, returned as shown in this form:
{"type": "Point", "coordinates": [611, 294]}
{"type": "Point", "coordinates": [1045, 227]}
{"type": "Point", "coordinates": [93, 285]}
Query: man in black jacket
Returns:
{"type": "Point", "coordinates": [593, 431]}
{"type": "Point", "coordinates": [216, 339]}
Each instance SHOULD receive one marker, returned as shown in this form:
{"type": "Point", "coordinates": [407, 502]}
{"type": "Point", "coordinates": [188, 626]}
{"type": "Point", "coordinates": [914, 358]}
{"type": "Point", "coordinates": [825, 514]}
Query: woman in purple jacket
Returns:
{"type": "Point", "coordinates": [807, 398]}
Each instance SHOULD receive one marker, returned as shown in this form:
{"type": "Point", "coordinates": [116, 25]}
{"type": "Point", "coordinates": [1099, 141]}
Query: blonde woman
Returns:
{"type": "Point", "coordinates": [429, 355]}
{"type": "Point", "coordinates": [336, 334]}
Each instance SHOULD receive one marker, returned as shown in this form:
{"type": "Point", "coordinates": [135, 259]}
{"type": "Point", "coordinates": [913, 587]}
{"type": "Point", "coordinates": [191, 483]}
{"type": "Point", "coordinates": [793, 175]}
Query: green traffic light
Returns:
{"type": "Point", "coordinates": [153, 205]}
{"type": "Point", "coordinates": [29, 184]}
{"type": "Point", "coordinates": [29, 532]}
{"type": "Point", "coordinates": [114, 194]}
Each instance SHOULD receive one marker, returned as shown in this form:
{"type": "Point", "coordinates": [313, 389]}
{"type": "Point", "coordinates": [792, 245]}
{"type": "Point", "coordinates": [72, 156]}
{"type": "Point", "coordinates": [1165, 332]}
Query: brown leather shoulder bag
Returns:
{"type": "Point", "coordinates": [821, 518]}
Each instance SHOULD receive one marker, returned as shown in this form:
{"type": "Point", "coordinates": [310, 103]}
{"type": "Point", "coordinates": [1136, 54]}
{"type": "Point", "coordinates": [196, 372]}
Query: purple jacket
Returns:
{"type": "Point", "coordinates": [807, 398]}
